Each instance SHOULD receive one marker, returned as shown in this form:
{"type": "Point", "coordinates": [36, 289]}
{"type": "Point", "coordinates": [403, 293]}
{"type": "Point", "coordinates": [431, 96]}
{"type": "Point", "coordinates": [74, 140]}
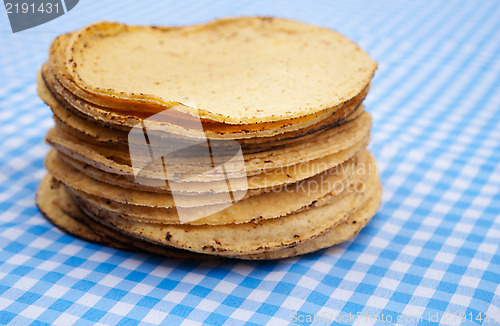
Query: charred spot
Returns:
{"type": "Point", "coordinates": [296, 236]}
{"type": "Point", "coordinates": [208, 248]}
{"type": "Point", "coordinates": [168, 236]}
{"type": "Point", "coordinates": [257, 220]}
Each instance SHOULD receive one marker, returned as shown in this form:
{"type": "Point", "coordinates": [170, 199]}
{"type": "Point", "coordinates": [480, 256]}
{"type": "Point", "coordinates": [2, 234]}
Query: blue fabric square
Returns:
{"type": "Point", "coordinates": [3, 288]}
{"type": "Point", "coordinates": [167, 284]}
{"type": "Point", "coordinates": [437, 304]}
{"type": "Point", "coordinates": [233, 301]}
{"type": "Point", "coordinates": [344, 263]}
{"type": "Point", "coordinates": [181, 310]}
{"type": "Point", "coordinates": [284, 288]}
{"type": "Point", "coordinates": [6, 317]}
{"type": "Point", "coordinates": [318, 298]}
{"type": "Point", "coordinates": [14, 247]}
{"type": "Point", "coordinates": [447, 287]}
{"type": "Point", "coordinates": [422, 262]}
{"type": "Point", "coordinates": [105, 268]}
{"type": "Point", "coordinates": [125, 321]}
{"type": "Point", "coordinates": [331, 281]}
{"type": "Point", "coordinates": [52, 277]}
{"type": "Point", "coordinates": [483, 295]}
{"type": "Point", "coordinates": [352, 307]}
{"type": "Point", "coordinates": [401, 297]}
{"type": "Point", "coordinates": [83, 285]}
{"type": "Point", "coordinates": [411, 279]}
{"type": "Point", "coordinates": [74, 261]}
{"type": "Point", "coordinates": [250, 282]}
{"type": "Point", "coordinates": [377, 270]}
{"type": "Point", "coordinates": [268, 309]}
{"type": "Point", "coordinates": [44, 254]}
{"type": "Point", "coordinates": [22, 270]}
{"type": "Point", "coordinates": [28, 298]}
{"type": "Point", "coordinates": [38, 229]}
{"type": "Point", "coordinates": [136, 276]}
{"type": "Point", "coordinates": [457, 269]}
{"type": "Point", "coordinates": [366, 288]}
{"type": "Point", "coordinates": [215, 319]}
{"type": "Point", "coordinates": [200, 291]}
{"type": "Point", "coordinates": [94, 315]}
{"type": "Point", "coordinates": [148, 302]}
{"type": "Point", "coordinates": [61, 305]}
{"type": "Point", "coordinates": [115, 294]}
{"type": "Point", "coordinates": [488, 276]}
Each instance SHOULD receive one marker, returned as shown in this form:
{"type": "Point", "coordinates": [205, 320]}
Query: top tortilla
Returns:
{"type": "Point", "coordinates": [236, 71]}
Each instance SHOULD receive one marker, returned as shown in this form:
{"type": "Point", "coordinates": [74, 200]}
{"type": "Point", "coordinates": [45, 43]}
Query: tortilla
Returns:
{"type": "Point", "coordinates": [282, 62]}
{"type": "Point", "coordinates": [321, 189]}
{"type": "Point", "coordinates": [46, 202]}
{"type": "Point", "coordinates": [246, 238]}
{"type": "Point", "coordinates": [68, 175]}
{"type": "Point", "coordinates": [93, 129]}
{"type": "Point", "coordinates": [59, 208]}
{"type": "Point", "coordinates": [113, 161]}
{"type": "Point", "coordinates": [346, 230]}
{"type": "Point", "coordinates": [182, 123]}
{"type": "Point", "coordinates": [256, 183]}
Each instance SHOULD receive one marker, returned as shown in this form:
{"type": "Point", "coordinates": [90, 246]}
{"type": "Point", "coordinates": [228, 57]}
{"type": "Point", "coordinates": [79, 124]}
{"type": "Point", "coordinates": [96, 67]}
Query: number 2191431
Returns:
{"type": "Point", "coordinates": [25, 8]}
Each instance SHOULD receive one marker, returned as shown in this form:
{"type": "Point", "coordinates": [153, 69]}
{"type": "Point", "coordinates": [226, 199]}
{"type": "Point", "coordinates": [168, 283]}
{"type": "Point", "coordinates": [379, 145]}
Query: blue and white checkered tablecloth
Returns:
{"type": "Point", "coordinates": [431, 256]}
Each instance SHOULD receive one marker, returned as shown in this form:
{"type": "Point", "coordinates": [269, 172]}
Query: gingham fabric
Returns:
{"type": "Point", "coordinates": [430, 256]}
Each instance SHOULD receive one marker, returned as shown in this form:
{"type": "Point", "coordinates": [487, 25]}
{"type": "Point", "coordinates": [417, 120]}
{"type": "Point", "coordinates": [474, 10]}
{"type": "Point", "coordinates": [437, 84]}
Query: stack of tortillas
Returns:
{"type": "Point", "coordinates": [242, 137]}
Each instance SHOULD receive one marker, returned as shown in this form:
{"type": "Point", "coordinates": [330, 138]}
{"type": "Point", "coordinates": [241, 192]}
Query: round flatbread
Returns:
{"type": "Point", "coordinates": [246, 238]}
{"type": "Point", "coordinates": [70, 176]}
{"type": "Point", "coordinates": [282, 62]}
{"type": "Point", "coordinates": [318, 190]}
{"type": "Point", "coordinates": [256, 183]}
{"type": "Point", "coordinates": [114, 161]}
{"type": "Point", "coordinates": [100, 128]}
{"type": "Point", "coordinates": [338, 234]}
{"type": "Point", "coordinates": [183, 123]}
{"type": "Point", "coordinates": [59, 208]}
